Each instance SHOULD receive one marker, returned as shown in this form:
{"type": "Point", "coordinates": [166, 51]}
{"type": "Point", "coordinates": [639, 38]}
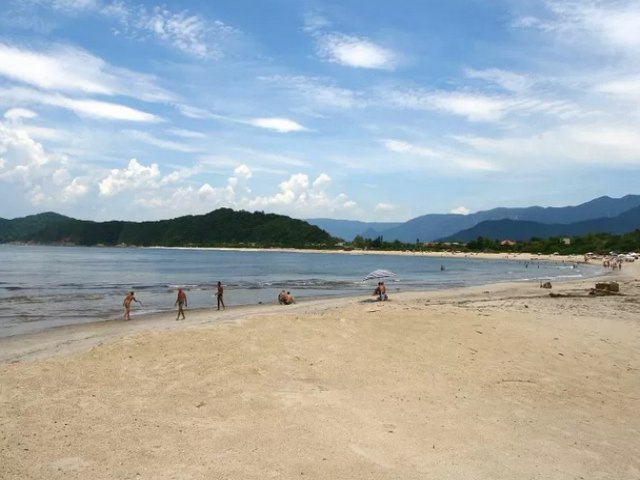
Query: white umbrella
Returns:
{"type": "Point", "coordinates": [379, 274]}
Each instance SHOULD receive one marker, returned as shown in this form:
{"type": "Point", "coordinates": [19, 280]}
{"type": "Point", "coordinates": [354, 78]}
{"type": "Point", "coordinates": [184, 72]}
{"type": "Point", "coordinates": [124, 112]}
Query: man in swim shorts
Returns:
{"type": "Point", "coordinates": [181, 302]}
{"type": "Point", "coordinates": [219, 293]}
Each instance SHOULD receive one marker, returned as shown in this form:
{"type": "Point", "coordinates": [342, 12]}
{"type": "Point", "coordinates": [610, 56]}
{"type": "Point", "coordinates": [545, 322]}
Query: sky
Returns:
{"type": "Point", "coordinates": [364, 110]}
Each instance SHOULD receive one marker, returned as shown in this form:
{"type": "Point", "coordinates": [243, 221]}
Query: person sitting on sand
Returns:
{"type": "Point", "coordinates": [289, 299]}
{"type": "Point", "coordinates": [383, 292]}
{"type": "Point", "coordinates": [127, 304]}
{"type": "Point", "coordinates": [282, 297]}
{"type": "Point", "coordinates": [376, 292]}
{"type": "Point", "coordinates": [181, 302]}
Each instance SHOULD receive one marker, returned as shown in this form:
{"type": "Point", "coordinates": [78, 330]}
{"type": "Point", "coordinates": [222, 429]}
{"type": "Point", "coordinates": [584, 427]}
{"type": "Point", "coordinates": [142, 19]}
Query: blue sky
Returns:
{"type": "Point", "coordinates": [364, 110]}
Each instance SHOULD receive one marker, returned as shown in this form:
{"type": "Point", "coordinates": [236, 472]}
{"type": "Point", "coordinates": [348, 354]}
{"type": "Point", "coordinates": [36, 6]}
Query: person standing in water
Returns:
{"type": "Point", "coordinates": [127, 304]}
{"type": "Point", "coordinates": [219, 294]}
{"type": "Point", "coordinates": [181, 302]}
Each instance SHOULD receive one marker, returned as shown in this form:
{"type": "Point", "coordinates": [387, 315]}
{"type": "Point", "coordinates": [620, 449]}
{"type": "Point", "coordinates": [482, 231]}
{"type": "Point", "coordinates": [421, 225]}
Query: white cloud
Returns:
{"type": "Point", "coordinates": [314, 21]}
{"type": "Point", "coordinates": [102, 110]}
{"type": "Point", "coordinates": [133, 176]}
{"type": "Point", "coordinates": [82, 107]}
{"type": "Point", "coordinates": [569, 146]}
{"type": "Point", "coordinates": [199, 113]}
{"type": "Point", "coordinates": [354, 52]}
{"type": "Point", "coordinates": [46, 133]}
{"type": "Point", "coordinates": [268, 159]}
{"type": "Point", "coordinates": [591, 25]}
{"type": "Point", "coordinates": [282, 125]}
{"type": "Point", "coordinates": [475, 164]}
{"type": "Point", "coordinates": [316, 91]}
{"type": "Point", "coordinates": [477, 107]}
{"type": "Point", "coordinates": [74, 5]}
{"type": "Point", "coordinates": [75, 190]}
{"type": "Point", "coordinates": [185, 32]}
{"type": "Point", "coordinates": [460, 210]}
{"type": "Point", "coordinates": [161, 143]}
{"type": "Point", "coordinates": [447, 162]}
{"type": "Point", "coordinates": [510, 81]}
{"type": "Point", "coordinates": [190, 33]}
{"type": "Point", "coordinates": [19, 113]}
{"type": "Point", "coordinates": [179, 132]}
{"type": "Point", "coordinates": [400, 146]}
{"type": "Point", "coordinates": [615, 24]}
{"type": "Point", "coordinates": [624, 87]}
{"type": "Point", "coordinates": [385, 208]}
{"type": "Point", "coordinates": [22, 156]}
{"type": "Point", "coordinates": [179, 175]}
{"type": "Point", "coordinates": [242, 171]}
{"type": "Point", "coordinates": [69, 69]}
{"type": "Point", "coordinates": [472, 106]}
{"type": "Point", "coordinates": [299, 196]}
{"type": "Point", "coordinates": [38, 197]}
{"type": "Point", "coordinates": [37, 173]}
{"type": "Point", "coordinates": [604, 140]}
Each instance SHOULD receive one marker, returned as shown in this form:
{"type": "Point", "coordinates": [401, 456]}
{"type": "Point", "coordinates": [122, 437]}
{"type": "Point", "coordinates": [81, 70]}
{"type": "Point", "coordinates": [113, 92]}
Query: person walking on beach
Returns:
{"type": "Point", "coordinates": [181, 302]}
{"type": "Point", "coordinates": [219, 293]}
{"type": "Point", "coordinates": [127, 304]}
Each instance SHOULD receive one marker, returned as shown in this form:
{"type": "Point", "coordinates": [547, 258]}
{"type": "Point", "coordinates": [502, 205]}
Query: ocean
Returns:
{"type": "Point", "coordinates": [44, 286]}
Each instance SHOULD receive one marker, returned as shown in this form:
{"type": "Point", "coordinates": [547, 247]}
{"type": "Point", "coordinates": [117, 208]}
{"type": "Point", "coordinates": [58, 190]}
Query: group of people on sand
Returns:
{"type": "Point", "coordinates": [181, 301]}
{"type": "Point", "coordinates": [285, 298]}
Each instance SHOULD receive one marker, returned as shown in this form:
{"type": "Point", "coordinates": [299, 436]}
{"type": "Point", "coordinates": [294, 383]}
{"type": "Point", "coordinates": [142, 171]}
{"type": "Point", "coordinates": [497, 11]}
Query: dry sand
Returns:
{"type": "Point", "coordinates": [498, 382]}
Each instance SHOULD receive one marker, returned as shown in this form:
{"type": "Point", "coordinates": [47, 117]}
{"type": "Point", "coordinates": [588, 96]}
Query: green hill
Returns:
{"type": "Point", "coordinates": [21, 229]}
{"type": "Point", "coordinates": [220, 228]}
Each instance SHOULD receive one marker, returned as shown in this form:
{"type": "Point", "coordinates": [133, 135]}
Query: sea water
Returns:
{"type": "Point", "coordinates": [44, 286]}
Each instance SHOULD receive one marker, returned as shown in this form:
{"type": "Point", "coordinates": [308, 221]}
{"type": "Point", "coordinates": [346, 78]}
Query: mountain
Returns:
{"type": "Point", "coordinates": [349, 229]}
{"type": "Point", "coordinates": [20, 229]}
{"type": "Point", "coordinates": [222, 227]}
{"type": "Point", "coordinates": [522, 230]}
{"type": "Point", "coordinates": [435, 226]}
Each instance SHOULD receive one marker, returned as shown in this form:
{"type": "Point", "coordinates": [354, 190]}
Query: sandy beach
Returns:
{"type": "Point", "coordinates": [491, 382]}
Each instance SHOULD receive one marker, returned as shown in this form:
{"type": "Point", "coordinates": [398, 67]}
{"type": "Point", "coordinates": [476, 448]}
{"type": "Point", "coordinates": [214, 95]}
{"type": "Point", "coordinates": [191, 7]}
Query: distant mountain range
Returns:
{"type": "Point", "coordinates": [226, 227]}
{"type": "Point", "coordinates": [349, 229]}
{"type": "Point", "coordinates": [222, 227]}
{"type": "Point", "coordinates": [500, 223]}
{"type": "Point", "coordinates": [520, 230]}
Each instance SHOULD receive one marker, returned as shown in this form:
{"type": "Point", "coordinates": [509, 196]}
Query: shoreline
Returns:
{"type": "Point", "coordinates": [248, 296]}
{"type": "Point", "coordinates": [76, 337]}
{"type": "Point", "coordinates": [575, 258]}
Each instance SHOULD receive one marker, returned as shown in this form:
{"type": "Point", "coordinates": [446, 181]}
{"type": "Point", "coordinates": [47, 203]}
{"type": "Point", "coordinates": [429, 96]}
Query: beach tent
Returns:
{"type": "Point", "coordinates": [379, 274]}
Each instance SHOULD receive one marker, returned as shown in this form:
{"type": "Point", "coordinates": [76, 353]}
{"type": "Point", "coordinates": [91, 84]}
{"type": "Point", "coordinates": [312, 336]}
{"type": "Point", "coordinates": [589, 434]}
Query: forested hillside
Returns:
{"type": "Point", "coordinates": [222, 227]}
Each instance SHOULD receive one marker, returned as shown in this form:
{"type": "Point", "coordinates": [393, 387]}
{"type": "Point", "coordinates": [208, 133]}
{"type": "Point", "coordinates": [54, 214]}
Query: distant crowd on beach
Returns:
{"type": "Point", "coordinates": [284, 298]}
{"type": "Point", "coordinates": [614, 263]}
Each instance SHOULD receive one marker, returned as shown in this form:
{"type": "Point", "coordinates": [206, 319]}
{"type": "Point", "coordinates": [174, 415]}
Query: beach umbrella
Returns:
{"type": "Point", "coordinates": [379, 274]}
